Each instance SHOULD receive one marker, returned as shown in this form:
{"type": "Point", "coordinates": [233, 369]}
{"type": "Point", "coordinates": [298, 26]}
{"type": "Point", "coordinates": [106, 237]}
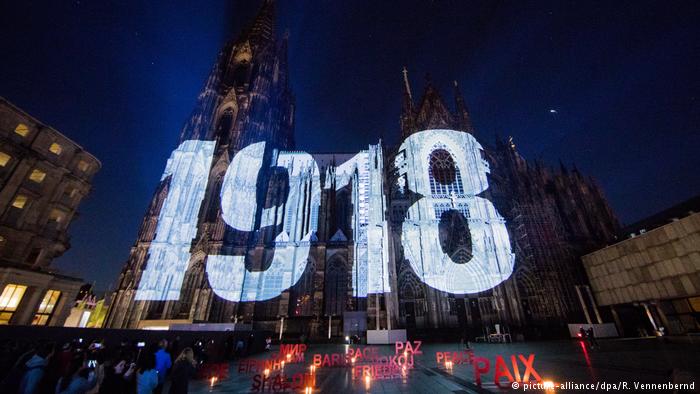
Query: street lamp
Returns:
{"type": "Point", "coordinates": [281, 325]}
{"type": "Point", "coordinates": [330, 322]}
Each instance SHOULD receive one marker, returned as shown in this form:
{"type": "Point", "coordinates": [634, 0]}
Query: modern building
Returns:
{"type": "Point", "coordinates": [43, 177]}
{"type": "Point", "coordinates": [651, 279]}
{"type": "Point", "coordinates": [89, 310]}
{"type": "Point", "coordinates": [441, 232]}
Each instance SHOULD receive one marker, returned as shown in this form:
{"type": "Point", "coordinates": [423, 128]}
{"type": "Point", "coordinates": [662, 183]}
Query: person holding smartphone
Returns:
{"type": "Point", "coordinates": [79, 378]}
{"type": "Point", "coordinates": [119, 372]}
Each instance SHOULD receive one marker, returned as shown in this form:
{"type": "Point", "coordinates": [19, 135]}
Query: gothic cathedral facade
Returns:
{"type": "Point", "coordinates": [319, 241]}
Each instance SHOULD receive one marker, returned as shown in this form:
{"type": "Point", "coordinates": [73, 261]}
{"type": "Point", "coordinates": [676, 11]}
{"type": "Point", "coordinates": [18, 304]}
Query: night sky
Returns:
{"type": "Point", "coordinates": [120, 78]}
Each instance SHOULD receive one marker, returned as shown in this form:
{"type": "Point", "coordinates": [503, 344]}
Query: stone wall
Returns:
{"type": "Point", "coordinates": [663, 263]}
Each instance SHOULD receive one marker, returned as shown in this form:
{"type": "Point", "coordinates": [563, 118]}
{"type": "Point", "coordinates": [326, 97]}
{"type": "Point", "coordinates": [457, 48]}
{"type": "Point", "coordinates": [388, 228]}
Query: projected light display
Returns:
{"type": "Point", "coordinates": [443, 168]}
{"type": "Point", "coordinates": [228, 276]}
{"type": "Point", "coordinates": [370, 272]}
{"type": "Point", "coordinates": [188, 170]}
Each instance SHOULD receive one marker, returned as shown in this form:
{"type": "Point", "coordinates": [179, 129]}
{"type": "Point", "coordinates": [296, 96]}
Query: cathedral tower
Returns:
{"type": "Point", "coordinates": [443, 232]}
{"type": "Point", "coordinates": [552, 218]}
{"type": "Point", "coordinates": [432, 112]}
{"type": "Point", "coordinates": [246, 99]}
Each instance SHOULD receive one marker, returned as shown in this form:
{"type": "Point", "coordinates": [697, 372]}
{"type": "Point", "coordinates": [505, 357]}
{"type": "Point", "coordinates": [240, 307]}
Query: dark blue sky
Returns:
{"type": "Point", "coordinates": [120, 78]}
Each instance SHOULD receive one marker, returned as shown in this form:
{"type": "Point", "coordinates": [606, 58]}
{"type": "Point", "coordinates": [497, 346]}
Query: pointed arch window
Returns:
{"type": "Point", "coordinates": [444, 174]}
{"type": "Point", "coordinates": [412, 300]}
{"type": "Point", "coordinates": [271, 283]}
{"type": "Point", "coordinates": [315, 204]}
{"type": "Point", "coordinates": [302, 295]}
{"type": "Point", "coordinates": [336, 287]}
{"type": "Point", "coordinates": [223, 131]}
{"type": "Point", "coordinates": [240, 75]}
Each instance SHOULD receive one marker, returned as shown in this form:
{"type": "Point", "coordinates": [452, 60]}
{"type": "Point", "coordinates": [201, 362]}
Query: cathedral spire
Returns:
{"type": "Point", "coordinates": [407, 85]}
{"type": "Point", "coordinates": [463, 118]}
{"type": "Point", "coordinates": [281, 72]}
{"type": "Point", "coordinates": [407, 120]}
{"type": "Point", "coordinates": [263, 29]}
{"type": "Point", "coordinates": [432, 112]}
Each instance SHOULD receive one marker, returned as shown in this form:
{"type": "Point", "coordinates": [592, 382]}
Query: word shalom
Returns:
{"type": "Point", "coordinates": [482, 366]}
{"type": "Point", "coordinates": [188, 172]}
{"type": "Point", "coordinates": [281, 383]}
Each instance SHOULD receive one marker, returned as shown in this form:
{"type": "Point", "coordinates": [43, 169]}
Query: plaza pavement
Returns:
{"type": "Point", "coordinates": [614, 361]}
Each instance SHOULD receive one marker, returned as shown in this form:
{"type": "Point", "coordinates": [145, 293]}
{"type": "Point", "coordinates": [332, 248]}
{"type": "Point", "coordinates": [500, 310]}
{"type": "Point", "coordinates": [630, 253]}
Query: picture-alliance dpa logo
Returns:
{"type": "Point", "coordinates": [421, 164]}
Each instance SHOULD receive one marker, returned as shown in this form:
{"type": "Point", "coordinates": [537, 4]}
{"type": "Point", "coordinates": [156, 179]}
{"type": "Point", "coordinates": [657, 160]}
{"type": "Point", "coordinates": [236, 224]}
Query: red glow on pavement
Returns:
{"type": "Point", "coordinates": [588, 359]}
{"type": "Point", "coordinates": [585, 353]}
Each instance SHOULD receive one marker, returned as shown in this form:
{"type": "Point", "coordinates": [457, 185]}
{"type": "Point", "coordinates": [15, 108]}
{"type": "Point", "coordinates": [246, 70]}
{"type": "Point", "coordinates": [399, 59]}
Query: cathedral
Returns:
{"type": "Point", "coordinates": [439, 234]}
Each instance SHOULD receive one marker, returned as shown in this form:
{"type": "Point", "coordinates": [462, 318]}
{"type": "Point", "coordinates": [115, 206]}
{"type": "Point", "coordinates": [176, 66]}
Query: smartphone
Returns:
{"type": "Point", "coordinates": [141, 344]}
{"type": "Point", "coordinates": [97, 345]}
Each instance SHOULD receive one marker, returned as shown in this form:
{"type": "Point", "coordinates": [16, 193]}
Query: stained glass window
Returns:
{"type": "Point", "coordinates": [445, 178]}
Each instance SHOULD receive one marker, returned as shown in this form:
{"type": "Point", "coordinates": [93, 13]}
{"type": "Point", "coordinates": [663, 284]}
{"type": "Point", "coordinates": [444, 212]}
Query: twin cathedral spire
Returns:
{"type": "Point", "coordinates": [247, 97]}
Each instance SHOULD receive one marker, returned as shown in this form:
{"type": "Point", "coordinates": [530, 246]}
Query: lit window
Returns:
{"type": "Point", "coordinates": [37, 175]}
{"type": "Point", "coordinates": [4, 159]}
{"type": "Point", "coordinates": [9, 300]}
{"type": "Point", "coordinates": [56, 149]}
{"type": "Point", "coordinates": [20, 201]}
{"type": "Point", "coordinates": [84, 319]}
{"type": "Point", "coordinates": [57, 215]}
{"type": "Point", "coordinates": [22, 129]}
{"type": "Point", "coordinates": [43, 314]}
{"type": "Point", "coordinates": [83, 165]}
{"type": "Point", "coordinates": [69, 194]}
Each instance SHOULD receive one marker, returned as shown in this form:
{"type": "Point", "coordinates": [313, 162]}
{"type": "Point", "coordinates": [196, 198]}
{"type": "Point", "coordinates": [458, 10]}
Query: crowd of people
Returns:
{"type": "Point", "coordinates": [76, 367]}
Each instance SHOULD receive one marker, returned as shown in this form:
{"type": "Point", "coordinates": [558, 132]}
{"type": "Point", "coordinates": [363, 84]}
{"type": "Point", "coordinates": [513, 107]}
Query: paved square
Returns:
{"type": "Point", "coordinates": [615, 361]}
